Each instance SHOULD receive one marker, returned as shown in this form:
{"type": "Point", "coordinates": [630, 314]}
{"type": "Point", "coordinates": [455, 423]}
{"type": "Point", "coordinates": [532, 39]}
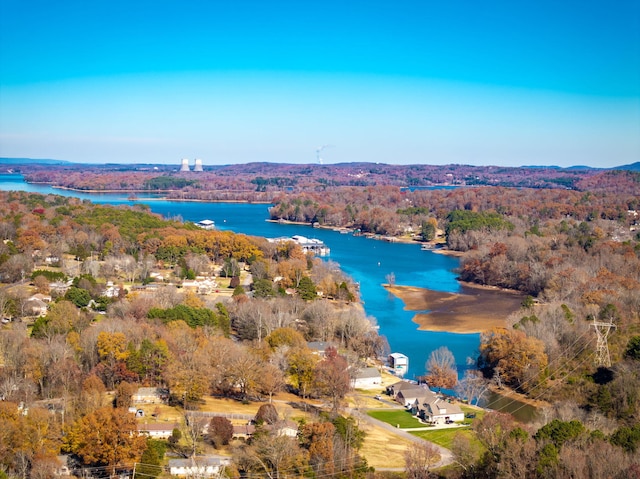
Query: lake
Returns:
{"type": "Point", "coordinates": [367, 261]}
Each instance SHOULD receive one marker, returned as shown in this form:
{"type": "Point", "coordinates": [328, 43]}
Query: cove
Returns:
{"type": "Point", "coordinates": [367, 261]}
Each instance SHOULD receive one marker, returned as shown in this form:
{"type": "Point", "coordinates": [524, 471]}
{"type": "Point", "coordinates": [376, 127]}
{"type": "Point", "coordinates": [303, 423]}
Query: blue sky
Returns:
{"type": "Point", "coordinates": [496, 82]}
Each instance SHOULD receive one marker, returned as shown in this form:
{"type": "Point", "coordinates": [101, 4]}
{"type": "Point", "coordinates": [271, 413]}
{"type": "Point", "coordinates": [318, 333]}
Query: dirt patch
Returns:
{"type": "Point", "coordinates": [474, 310]}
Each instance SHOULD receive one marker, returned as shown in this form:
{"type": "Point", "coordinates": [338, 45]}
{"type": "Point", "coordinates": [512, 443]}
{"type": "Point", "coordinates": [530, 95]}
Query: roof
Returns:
{"type": "Point", "coordinates": [403, 386]}
{"type": "Point", "coordinates": [244, 429]}
{"type": "Point", "coordinates": [200, 461]}
{"type": "Point", "coordinates": [414, 391]}
{"type": "Point", "coordinates": [151, 391]}
{"type": "Point", "coordinates": [320, 345]}
{"type": "Point", "coordinates": [157, 426]}
{"type": "Point", "coordinates": [398, 356]}
{"type": "Point", "coordinates": [366, 373]}
{"type": "Point", "coordinates": [434, 404]}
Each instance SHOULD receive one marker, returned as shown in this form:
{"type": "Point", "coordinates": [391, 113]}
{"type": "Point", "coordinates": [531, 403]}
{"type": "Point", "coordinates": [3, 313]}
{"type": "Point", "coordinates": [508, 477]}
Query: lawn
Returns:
{"type": "Point", "coordinates": [400, 418]}
{"type": "Point", "coordinates": [444, 437]}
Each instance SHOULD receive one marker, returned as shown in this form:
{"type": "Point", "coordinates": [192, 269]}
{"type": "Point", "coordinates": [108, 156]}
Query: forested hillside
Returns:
{"type": "Point", "coordinates": [98, 301]}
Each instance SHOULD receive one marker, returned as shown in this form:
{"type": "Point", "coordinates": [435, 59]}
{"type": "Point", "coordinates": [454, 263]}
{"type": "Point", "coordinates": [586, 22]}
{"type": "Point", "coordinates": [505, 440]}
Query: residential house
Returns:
{"type": "Point", "coordinates": [366, 378]}
{"type": "Point", "coordinates": [284, 428]}
{"type": "Point", "coordinates": [244, 431]}
{"type": "Point", "coordinates": [320, 347]}
{"type": "Point", "coordinates": [435, 410]}
{"type": "Point", "coordinates": [35, 307]}
{"type": "Point", "coordinates": [151, 396]}
{"type": "Point", "coordinates": [60, 287]}
{"type": "Point", "coordinates": [45, 298]}
{"type": "Point", "coordinates": [406, 393]}
{"type": "Point", "coordinates": [158, 430]}
{"type": "Point", "coordinates": [199, 466]}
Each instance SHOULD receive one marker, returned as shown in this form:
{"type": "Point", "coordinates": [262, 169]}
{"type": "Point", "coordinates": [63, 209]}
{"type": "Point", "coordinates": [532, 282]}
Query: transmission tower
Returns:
{"type": "Point", "coordinates": [602, 347]}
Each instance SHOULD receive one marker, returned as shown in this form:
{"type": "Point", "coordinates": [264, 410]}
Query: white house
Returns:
{"type": "Point", "coordinates": [367, 378]}
{"type": "Point", "coordinates": [399, 363]}
{"type": "Point", "coordinates": [435, 410]}
{"type": "Point", "coordinates": [285, 428]}
{"type": "Point", "coordinates": [206, 224]}
{"type": "Point", "coordinates": [204, 466]}
{"type": "Point", "coordinates": [157, 430]}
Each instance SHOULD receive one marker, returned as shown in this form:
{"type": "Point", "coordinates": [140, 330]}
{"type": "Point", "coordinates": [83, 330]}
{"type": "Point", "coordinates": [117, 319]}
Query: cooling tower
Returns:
{"type": "Point", "coordinates": [185, 165]}
{"type": "Point", "coordinates": [198, 165]}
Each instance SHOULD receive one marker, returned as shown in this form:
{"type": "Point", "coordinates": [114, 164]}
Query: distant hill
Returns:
{"type": "Point", "coordinates": [555, 167]}
{"type": "Point", "coordinates": [22, 161]}
{"type": "Point", "coordinates": [632, 167]}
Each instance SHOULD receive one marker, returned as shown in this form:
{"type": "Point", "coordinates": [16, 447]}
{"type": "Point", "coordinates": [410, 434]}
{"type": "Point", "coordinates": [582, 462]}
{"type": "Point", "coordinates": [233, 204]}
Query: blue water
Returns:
{"type": "Point", "coordinates": [367, 261]}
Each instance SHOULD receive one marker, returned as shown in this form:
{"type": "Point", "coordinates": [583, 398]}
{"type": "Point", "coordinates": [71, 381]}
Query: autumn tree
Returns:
{"type": "Point", "coordinates": [302, 366]}
{"type": "Point", "coordinates": [270, 381]}
{"type": "Point", "coordinates": [332, 378]}
{"type": "Point", "coordinates": [519, 360]}
{"type": "Point", "coordinates": [441, 369]}
{"type": "Point", "coordinates": [274, 456]}
{"type": "Point", "coordinates": [220, 431]}
{"type": "Point", "coordinates": [106, 437]}
{"type": "Point", "coordinates": [318, 439]}
{"type": "Point", "coordinates": [267, 413]}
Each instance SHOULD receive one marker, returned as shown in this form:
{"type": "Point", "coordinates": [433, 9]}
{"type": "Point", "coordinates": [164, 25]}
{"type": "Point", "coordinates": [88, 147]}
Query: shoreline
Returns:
{"type": "Point", "coordinates": [146, 192]}
{"type": "Point", "coordinates": [475, 309]}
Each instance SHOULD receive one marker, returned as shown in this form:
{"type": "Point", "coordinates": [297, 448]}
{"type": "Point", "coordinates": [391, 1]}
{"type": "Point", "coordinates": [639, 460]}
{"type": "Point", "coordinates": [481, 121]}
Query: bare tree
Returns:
{"type": "Point", "coordinates": [419, 459]}
{"type": "Point", "coordinates": [473, 386]}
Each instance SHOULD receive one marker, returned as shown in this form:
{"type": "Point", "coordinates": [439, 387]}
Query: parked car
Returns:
{"type": "Point", "coordinates": [378, 397]}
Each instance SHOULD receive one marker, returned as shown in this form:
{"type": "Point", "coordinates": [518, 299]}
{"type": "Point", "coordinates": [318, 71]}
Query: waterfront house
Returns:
{"type": "Point", "coordinates": [366, 378]}
{"type": "Point", "coordinates": [435, 410]}
{"type": "Point", "coordinates": [206, 224]}
{"type": "Point", "coordinates": [407, 393]}
{"type": "Point", "coordinates": [399, 363]}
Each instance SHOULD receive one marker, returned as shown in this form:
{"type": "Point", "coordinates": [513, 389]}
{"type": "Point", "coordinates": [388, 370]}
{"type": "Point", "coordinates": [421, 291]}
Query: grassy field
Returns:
{"type": "Point", "coordinates": [381, 448]}
{"type": "Point", "coordinates": [444, 437]}
{"type": "Point", "coordinates": [472, 410]}
{"type": "Point", "coordinates": [400, 418]}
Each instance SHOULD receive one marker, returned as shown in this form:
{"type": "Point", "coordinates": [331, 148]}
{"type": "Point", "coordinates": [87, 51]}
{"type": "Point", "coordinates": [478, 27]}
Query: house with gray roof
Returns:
{"type": "Point", "coordinates": [366, 378]}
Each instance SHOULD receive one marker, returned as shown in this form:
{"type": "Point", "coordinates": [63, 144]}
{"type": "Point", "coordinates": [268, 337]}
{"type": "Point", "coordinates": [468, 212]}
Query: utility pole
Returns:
{"type": "Point", "coordinates": [602, 347]}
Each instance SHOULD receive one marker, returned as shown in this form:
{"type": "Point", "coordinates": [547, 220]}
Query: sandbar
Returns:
{"type": "Point", "coordinates": [475, 309]}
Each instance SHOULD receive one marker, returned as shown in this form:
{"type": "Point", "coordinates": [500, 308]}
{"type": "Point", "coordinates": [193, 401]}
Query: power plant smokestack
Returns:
{"type": "Point", "coordinates": [198, 165]}
{"type": "Point", "coordinates": [185, 165]}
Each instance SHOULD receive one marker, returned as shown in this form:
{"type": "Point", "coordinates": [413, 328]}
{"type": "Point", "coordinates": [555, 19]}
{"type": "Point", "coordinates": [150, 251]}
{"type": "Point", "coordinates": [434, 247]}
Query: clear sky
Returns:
{"type": "Point", "coordinates": [543, 82]}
